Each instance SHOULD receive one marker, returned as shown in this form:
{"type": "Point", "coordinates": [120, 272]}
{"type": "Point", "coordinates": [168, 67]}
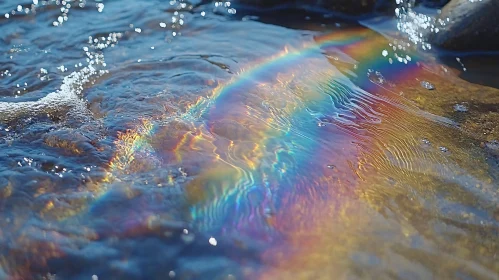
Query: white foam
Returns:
{"type": "Point", "coordinates": [69, 95]}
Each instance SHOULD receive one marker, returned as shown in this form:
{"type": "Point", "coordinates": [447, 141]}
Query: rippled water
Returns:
{"type": "Point", "coordinates": [157, 140]}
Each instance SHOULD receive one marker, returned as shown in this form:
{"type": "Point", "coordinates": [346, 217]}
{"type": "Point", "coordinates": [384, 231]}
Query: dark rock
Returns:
{"type": "Point", "coordinates": [473, 26]}
{"type": "Point", "coordinates": [433, 3]}
{"type": "Point", "coordinates": [347, 7]}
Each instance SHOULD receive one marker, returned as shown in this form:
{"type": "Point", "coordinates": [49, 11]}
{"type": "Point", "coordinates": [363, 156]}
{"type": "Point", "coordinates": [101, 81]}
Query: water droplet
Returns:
{"type": "Point", "coordinates": [427, 85]}
{"type": "Point", "coordinates": [213, 241]}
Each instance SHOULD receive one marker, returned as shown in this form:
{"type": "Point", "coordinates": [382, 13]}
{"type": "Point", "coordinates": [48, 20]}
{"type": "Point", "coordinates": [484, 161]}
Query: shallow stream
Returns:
{"type": "Point", "coordinates": [158, 140]}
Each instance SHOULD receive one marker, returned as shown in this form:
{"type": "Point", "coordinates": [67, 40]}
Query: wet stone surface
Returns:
{"type": "Point", "coordinates": [469, 26]}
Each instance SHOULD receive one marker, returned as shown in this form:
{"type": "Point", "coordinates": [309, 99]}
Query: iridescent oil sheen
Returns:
{"type": "Point", "coordinates": [293, 156]}
{"type": "Point", "coordinates": [237, 155]}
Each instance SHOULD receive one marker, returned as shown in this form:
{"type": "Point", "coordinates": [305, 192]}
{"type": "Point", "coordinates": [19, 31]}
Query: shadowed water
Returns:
{"type": "Point", "coordinates": [157, 140]}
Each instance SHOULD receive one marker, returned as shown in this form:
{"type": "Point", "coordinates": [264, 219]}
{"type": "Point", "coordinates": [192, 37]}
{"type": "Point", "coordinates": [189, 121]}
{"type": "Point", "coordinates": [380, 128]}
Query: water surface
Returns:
{"type": "Point", "coordinates": [157, 140]}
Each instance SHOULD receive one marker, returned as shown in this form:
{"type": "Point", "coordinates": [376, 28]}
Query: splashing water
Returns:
{"type": "Point", "coordinates": [414, 25]}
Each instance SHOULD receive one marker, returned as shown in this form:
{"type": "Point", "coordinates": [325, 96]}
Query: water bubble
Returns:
{"type": "Point", "coordinates": [460, 108]}
{"type": "Point", "coordinates": [427, 85]}
{"type": "Point", "coordinates": [443, 149]}
{"type": "Point", "coordinates": [375, 77]}
{"type": "Point", "coordinates": [171, 274]}
{"type": "Point", "coordinates": [426, 141]}
{"type": "Point", "coordinates": [331, 166]}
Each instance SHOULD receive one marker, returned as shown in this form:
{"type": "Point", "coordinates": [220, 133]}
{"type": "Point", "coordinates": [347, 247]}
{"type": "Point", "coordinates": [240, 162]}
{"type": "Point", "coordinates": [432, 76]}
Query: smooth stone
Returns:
{"type": "Point", "coordinates": [473, 26]}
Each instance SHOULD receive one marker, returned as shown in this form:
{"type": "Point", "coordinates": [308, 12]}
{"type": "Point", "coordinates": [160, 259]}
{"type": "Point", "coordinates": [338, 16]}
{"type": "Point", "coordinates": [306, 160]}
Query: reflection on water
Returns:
{"type": "Point", "coordinates": [169, 140]}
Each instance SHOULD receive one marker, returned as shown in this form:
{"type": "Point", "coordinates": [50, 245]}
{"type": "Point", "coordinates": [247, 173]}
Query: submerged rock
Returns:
{"type": "Point", "coordinates": [469, 25]}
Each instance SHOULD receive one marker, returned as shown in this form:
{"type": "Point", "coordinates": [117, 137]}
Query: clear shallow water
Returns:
{"type": "Point", "coordinates": [225, 147]}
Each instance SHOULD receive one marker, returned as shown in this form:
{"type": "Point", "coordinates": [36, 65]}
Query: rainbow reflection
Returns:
{"type": "Point", "coordinates": [281, 155]}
